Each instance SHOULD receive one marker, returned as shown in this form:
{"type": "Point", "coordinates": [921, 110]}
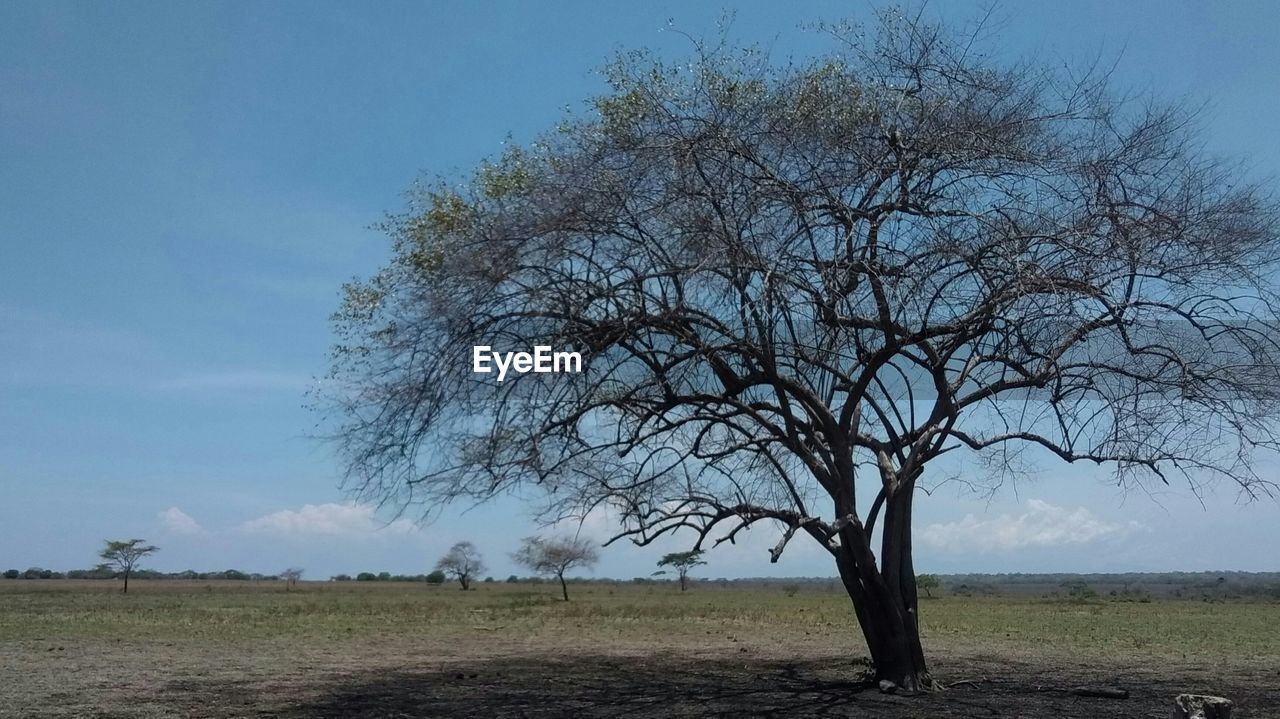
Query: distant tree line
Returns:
{"type": "Point", "coordinates": [108, 573]}
{"type": "Point", "coordinates": [1192, 579]}
{"type": "Point", "coordinates": [436, 577]}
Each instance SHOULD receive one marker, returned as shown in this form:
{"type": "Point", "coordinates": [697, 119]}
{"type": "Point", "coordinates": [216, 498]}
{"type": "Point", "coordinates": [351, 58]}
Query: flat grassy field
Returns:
{"type": "Point", "coordinates": [222, 649]}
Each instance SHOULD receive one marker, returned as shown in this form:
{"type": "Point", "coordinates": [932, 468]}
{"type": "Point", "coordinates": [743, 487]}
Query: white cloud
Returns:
{"type": "Point", "coordinates": [350, 521]}
{"type": "Point", "coordinates": [1041, 525]}
{"type": "Point", "coordinates": [179, 522]}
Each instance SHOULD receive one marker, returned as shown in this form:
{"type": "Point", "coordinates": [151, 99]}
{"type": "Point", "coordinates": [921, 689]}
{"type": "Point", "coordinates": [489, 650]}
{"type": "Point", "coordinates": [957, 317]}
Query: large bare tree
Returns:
{"type": "Point", "coordinates": [798, 286]}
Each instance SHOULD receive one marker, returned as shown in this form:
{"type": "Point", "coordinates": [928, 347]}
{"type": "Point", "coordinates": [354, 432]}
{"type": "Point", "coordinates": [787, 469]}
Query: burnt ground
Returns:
{"type": "Point", "coordinates": [667, 686]}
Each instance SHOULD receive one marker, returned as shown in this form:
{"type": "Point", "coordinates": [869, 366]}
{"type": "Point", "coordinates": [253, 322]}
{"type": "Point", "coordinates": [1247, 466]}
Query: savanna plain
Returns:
{"type": "Point", "coordinates": [390, 649]}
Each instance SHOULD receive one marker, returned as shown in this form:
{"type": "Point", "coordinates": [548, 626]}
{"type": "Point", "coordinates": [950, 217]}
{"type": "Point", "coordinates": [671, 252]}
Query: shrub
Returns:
{"type": "Point", "coordinates": [1079, 591]}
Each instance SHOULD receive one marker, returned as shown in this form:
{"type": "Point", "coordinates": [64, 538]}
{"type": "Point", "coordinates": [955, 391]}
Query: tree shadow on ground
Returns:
{"type": "Point", "coordinates": [666, 686]}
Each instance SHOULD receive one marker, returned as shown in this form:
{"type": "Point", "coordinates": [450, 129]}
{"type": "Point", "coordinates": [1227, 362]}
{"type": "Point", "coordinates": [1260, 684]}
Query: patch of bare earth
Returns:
{"type": "Point", "coordinates": [503, 678]}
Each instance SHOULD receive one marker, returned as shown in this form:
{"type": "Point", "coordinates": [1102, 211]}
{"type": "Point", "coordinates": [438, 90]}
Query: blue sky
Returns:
{"type": "Point", "coordinates": [185, 187]}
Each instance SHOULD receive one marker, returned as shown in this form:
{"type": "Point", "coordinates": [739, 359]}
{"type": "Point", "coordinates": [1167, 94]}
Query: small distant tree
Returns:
{"type": "Point", "coordinates": [291, 576]}
{"type": "Point", "coordinates": [436, 577]}
{"type": "Point", "coordinates": [341, 578]}
{"type": "Point", "coordinates": [125, 555]}
{"type": "Point", "coordinates": [927, 583]}
{"type": "Point", "coordinates": [555, 556]}
{"type": "Point", "coordinates": [682, 562]}
{"type": "Point", "coordinates": [12, 574]}
{"type": "Point", "coordinates": [366, 577]}
{"type": "Point", "coordinates": [461, 562]}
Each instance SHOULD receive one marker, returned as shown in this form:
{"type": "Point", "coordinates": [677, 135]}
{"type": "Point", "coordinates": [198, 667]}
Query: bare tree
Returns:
{"type": "Point", "coordinates": [124, 555]}
{"type": "Point", "coordinates": [291, 577]}
{"type": "Point", "coordinates": [682, 562]}
{"type": "Point", "coordinates": [555, 556]}
{"type": "Point", "coordinates": [796, 288]}
{"type": "Point", "coordinates": [462, 562]}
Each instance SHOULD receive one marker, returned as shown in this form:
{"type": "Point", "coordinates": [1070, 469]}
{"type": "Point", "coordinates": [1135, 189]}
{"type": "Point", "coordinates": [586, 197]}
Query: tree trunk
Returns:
{"type": "Point", "coordinates": [684, 581]}
{"type": "Point", "coordinates": [564, 588]}
{"type": "Point", "coordinates": [885, 601]}
{"type": "Point", "coordinates": [892, 638]}
{"type": "Point", "coordinates": [463, 581]}
{"type": "Point", "coordinates": [126, 581]}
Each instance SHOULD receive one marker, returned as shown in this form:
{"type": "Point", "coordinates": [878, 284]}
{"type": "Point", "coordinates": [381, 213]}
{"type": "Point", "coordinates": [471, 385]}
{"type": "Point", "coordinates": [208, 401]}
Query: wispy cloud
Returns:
{"type": "Point", "coordinates": [351, 521]}
{"type": "Point", "coordinates": [176, 521]}
{"type": "Point", "coordinates": [1041, 525]}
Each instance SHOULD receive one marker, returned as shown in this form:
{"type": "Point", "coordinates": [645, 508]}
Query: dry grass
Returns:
{"type": "Point", "coordinates": [230, 649]}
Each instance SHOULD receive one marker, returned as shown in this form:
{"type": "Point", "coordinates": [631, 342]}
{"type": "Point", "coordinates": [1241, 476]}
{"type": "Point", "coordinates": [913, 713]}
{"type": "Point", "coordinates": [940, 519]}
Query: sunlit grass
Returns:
{"type": "Point", "coordinates": [622, 614]}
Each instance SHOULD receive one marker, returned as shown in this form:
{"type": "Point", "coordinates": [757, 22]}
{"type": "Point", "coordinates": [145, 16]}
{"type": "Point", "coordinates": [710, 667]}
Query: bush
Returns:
{"type": "Point", "coordinates": [341, 578]}
{"type": "Point", "coordinates": [12, 574]}
{"type": "Point", "coordinates": [1079, 591]}
{"type": "Point", "coordinates": [436, 577]}
{"type": "Point", "coordinates": [95, 573]}
{"type": "Point", "coordinates": [366, 577]}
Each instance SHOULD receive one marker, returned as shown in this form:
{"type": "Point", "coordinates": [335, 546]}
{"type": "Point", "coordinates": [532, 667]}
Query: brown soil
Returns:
{"type": "Point", "coordinates": [650, 685]}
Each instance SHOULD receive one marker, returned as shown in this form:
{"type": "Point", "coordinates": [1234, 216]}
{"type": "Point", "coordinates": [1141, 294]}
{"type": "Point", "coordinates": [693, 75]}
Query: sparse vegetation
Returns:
{"type": "Point", "coordinates": [270, 643]}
